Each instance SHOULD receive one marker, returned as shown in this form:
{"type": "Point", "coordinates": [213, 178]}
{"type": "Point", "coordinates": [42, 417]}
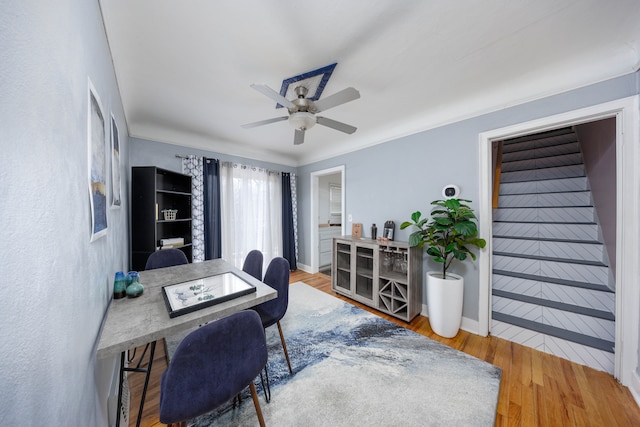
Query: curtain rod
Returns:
{"type": "Point", "coordinates": [184, 156]}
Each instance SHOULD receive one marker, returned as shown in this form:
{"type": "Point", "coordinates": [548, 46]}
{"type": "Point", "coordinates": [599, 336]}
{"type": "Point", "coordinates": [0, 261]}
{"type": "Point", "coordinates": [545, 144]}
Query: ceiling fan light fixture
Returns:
{"type": "Point", "coordinates": [302, 120]}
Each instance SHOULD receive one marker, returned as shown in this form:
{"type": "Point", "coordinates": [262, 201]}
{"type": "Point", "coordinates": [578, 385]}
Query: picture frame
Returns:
{"type": "Point", "coordinates": [116, 194]}
{"type": "Point", "coordinates": [96, 144]}
{"type": "Point", "coordinates": [187, 297]}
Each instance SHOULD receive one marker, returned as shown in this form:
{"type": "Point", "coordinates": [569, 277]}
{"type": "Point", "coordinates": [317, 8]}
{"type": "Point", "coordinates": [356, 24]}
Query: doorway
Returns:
{"type": "Point", "coordinates": [333, 199]}
{"type": "Point", "coordinates": [625, 113]}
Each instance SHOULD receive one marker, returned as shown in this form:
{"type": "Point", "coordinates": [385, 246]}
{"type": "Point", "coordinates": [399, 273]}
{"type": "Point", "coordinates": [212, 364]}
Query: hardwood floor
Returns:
{"type": "Point", "coordinates": [537, 389]}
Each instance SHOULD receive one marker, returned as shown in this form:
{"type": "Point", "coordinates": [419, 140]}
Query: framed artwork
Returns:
{"type": "Point", "coordinates": [115, 165]}
{"type": "Point", "coordinates": [96, 142]}
{"type": "Point", "coordinates": [186, 297]}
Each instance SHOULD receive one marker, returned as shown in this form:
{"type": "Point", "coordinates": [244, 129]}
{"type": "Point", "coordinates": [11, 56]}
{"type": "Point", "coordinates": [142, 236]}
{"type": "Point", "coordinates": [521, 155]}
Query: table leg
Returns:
{"type": "Point", "coordinates": [146, 382]}
{"type": "Point", "coordinates": [120, 378]}
{"type": "Point", "coordinates": [146, 370]}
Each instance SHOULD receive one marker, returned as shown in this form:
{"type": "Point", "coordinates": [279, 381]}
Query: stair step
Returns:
{"type": "Point", "coordinates": [550, 258]}
{"type": "Point", "coordinates": [546, 230]}
{"type": "Point", "coordinates": [545, 186]}
{"type": "Point", "coordinates": [542, 162]}
{"type": "Point", "coordinates": [560, 172]}
{"type": "Point", "coordinates": [558, 280]}
{"type": "Point", "coordinates": [577, 353]}
{"type": "Point", "coordinates": [600, 314]}
{"type": "Point", "coordinates": [550, 239]}
{"type": "Point", "coordinates": [567, 214]}
{"type": "Point", "coordinates": [551, 249]}
{"type": "Point", "coordinates": [527, 142]}
{"type": "Point", "coordinates": [594, 327]}
{"type": "Point", "coordinates": [575, 198]}
{"type": "Point", "coordinates": [577, 296]}
{"type": "Point", "coordinates": [552, 268]}
{"type": "Point", "coordinates": [570, 147]}
{"type": "Point", "coordinates": [579, 338]}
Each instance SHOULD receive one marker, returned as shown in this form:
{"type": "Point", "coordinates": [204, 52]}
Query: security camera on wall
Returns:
{"type": "Point", "coordinates": [450, 191]}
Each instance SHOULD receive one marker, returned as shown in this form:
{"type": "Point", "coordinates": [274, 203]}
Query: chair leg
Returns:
{"type": "Point", "coordinates": [266, 386]}
{"type": "Point", "coordinates": [284, 346]}
{"type": "Point", "coordinates": [256, 403]}
{"type": "Point", "coordinates": [237, 398]}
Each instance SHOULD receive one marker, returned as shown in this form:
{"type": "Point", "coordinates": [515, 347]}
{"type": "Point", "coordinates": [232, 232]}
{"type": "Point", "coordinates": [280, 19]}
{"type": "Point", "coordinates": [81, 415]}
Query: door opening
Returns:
{"type": "Point", "coordinates": [627, 247]}
{"type": "Point", "coordinates": [327, 213]}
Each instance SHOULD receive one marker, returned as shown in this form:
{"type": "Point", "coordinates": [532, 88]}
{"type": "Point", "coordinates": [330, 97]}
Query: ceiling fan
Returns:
{"type": "Point", "coordinates": [302, 110]}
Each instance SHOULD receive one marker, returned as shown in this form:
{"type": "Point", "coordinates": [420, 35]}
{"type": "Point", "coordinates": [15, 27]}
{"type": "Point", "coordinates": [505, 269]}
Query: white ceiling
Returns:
{"type": "Point", "coordinates": [184, 67]}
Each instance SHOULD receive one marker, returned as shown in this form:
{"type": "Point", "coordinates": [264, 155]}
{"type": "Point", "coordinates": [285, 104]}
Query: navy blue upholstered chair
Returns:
{"type": "Point", "coordinates": [253, 264]}
{"type": "Point", "coordinates": [166, 258]}
{"type": "Point", "coordinates": [212, 365]}
{"type": "Point", "coordinates": [276, 276]}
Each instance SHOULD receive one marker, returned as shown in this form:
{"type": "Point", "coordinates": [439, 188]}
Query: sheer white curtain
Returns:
{"type": "Point", "coordinates": [251, 204]}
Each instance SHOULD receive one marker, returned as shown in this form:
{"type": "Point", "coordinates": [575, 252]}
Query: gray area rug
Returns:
{"type": "Point", "coordinates": [352, 368]}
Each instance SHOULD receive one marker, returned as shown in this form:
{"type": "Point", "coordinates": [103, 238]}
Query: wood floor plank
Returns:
{"type": "Point", "coordinates": [571, 384]}
{"type": "Point", "coordinates": [556, 409]}
{"type": "Point", "coordinates": [543, 381]}
{"type": "Point", "coordinates": [526, 374]}
{"type": "Point", "coordinates": [579, 416]}
{"type": "Point", "coordinates": [527, 416]}
{"type": "Point", "coordinates": [473, 346]}
{"type": "Point", "coordinates": [514, 418]}
{"type": "Point", "coordinates": [586, 391]}
{"type": "Point", "coordinates": [537, 368]}
{"type": "Point", "coordinates": [540, 405]}
{"type": "Point", "coordinates": [503, 361]}
{"type": "Point", "coordinates": [515, 374]}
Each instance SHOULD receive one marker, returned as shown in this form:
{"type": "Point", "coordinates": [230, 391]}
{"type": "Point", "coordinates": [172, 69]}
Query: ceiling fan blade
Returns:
{"type": "Point", "coordinates": [342, 127]}
{"type": "Point", "coordinates": [264, 122]}
{"type": "Point", "coordinates": [298, 138]}
{"type": "Point", "coordinates": [266, 90]}
{"type": "Point", "coordinates": [338, 98]}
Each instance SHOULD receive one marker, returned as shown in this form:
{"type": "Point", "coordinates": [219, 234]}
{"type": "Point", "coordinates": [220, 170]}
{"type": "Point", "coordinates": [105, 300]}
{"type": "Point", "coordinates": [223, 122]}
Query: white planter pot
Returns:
{"type": "Point", "coordinates": [444, 302]}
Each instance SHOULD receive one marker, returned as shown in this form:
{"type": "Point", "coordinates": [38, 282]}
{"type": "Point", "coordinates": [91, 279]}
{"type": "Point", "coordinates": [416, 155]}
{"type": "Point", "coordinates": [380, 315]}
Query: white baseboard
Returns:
{"type": "Point", "coordinates": [470, 325]}
{"type": "Point", "coordinates": [467, 324]}
{"type": "Point", "coordinates": [634, 387]}
{"type": "Point", "coordinates": [305, 268]}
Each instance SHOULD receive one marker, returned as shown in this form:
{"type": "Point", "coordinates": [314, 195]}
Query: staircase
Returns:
{"type": "Point", "coordinates": [552, 287]}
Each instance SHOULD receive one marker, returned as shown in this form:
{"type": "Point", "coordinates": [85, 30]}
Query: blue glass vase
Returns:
{"type": "Point", "coordinates": [135, 289]}
{"type": "Point", "coordinates": [131, 277]}
{"type": "Point", "coordinates": [119, 285]}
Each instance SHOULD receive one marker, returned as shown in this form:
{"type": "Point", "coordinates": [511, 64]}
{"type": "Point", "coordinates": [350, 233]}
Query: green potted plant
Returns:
{"type": "Point", "coordinates": [447, 235]}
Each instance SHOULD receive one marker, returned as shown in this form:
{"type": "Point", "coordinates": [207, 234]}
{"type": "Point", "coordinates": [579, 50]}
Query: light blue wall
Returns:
{"type": "Point", "coordinates": [55, 284]}
{"type": "Point", "coordinates": [389, 181]}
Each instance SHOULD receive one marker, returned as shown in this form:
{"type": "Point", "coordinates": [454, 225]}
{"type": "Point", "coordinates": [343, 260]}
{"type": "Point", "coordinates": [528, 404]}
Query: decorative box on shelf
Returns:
{"type": "Point", "coordinates": [169, 214]}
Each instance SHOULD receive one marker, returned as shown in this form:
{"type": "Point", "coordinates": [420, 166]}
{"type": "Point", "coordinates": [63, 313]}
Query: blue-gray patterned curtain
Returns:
{"type": "Point", "coordinates": [192, 166]}
{"type": "Point", "coordinates": [288, 230]}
